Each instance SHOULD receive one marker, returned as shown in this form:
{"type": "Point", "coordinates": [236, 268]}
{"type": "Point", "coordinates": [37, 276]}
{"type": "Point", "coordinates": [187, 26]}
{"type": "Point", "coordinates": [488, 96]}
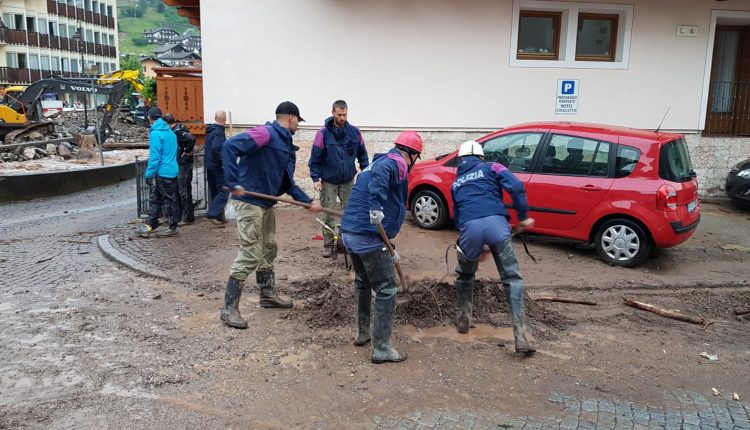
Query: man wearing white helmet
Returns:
{"type": "Point", "coordinates": [482, 219]}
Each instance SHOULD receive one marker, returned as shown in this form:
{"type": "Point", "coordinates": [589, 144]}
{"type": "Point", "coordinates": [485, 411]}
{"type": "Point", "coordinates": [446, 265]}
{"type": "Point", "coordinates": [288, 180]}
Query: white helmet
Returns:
{"type": "Point", "coordinates": [470, 147]}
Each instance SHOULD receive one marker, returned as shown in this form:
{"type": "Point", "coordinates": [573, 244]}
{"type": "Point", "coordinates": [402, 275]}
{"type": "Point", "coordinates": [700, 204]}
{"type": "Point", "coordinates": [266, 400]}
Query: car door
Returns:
{"type": "Point", "coordinates": [516, 151]}
{"type": "Point", "coordinates": [572, 177]}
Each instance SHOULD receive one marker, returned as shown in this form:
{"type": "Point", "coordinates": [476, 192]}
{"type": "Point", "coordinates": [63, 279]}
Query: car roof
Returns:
{"type": "Point", "coordinates": [602, 129]}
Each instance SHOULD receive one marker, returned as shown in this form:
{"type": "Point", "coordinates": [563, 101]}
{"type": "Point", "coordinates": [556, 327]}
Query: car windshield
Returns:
{"type": "Point", "coordinates": [674, 162]}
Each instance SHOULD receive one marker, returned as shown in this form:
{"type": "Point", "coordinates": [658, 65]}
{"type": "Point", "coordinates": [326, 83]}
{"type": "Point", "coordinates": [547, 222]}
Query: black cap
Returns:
{"type": "Point", "coordinates": [288, 108]}
{"type": "Point", "coordinates": [154, 113]}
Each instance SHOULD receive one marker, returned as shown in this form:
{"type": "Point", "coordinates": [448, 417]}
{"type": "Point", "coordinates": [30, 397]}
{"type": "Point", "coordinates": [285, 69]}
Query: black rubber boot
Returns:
{"type": "Point", "coordinates": [268, 296]}
{"type": "Point", "coordinates": [464, 291]}
{"type": "Point", "coordinates": [363, 299]}
{"type": "Point", "coordinates": [231, 312]}
{"type": "Point", "coordinates": [327, 252]}
{"type": "Point", "coordinates": [382, 351]}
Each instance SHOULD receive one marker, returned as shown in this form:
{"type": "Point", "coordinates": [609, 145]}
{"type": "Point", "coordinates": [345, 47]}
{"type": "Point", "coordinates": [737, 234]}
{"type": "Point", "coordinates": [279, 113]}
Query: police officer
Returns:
{"type": "Point", "coordinates": [379, 197]}
{"type": "Point", "coordinates": [482, 220]}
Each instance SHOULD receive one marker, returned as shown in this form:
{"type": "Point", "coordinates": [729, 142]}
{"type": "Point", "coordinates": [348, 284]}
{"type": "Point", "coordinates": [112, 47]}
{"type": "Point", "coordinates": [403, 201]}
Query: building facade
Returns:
{"type": "Point", "coordinates": [37, 38]}
{"type": "Point", "coordinates": [455, 70]}
{"type": "Point", "coordinates": [160, 36]}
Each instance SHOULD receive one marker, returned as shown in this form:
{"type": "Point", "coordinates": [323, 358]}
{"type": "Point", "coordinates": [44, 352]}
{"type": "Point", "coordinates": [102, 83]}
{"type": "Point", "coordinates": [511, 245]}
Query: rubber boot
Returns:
{"type": "Point", "coordinates": [268, 296]}
{"type": "Point", "coordinates": [327, 252]}
{"type": "Point", "coordinates": [363, 297]}
{"type": "Point", "coordinates": [231, 312]}
{"type": "Point", "coordinates": [385, 310]}
{"type": "Point", "coordinates": [514, 295]}
{"type": "Point", "coordinates": [464, 291]}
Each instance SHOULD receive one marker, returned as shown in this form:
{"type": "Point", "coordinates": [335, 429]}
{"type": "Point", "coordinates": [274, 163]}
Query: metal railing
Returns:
{"type": "Point", "coordinates": [728, 109]}
{"type": "Point", "coordinates": [200, 185]}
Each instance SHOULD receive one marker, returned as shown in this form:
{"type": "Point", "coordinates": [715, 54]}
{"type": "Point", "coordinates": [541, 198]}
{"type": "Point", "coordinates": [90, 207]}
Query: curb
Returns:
{"type": "Point", "coordinates": [118, 257]}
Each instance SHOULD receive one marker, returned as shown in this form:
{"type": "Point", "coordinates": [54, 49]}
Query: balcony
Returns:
{"type": "Point", "coordinates": [12, 37]}
{"type": "Point", "coordinates": [11, 75]}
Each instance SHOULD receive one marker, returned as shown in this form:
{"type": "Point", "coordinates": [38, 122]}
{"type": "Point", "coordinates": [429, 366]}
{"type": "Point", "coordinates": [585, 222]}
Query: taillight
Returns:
{"type": "Point", "coordinates": [666, 198]}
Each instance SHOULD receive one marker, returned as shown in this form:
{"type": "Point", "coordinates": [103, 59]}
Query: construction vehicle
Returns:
{"type": "Point", "coordinates": [21, 113]}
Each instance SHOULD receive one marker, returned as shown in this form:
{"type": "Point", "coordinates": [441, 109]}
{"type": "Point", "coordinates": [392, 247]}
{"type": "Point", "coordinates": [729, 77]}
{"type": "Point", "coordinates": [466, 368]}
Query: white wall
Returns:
{"type": "Point", "coordinates": [441, 64]}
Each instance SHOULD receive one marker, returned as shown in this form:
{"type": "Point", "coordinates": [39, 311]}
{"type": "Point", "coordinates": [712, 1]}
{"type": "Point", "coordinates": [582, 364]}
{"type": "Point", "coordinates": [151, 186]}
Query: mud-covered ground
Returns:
{"type": "Point", "coordinates": [89, 344]}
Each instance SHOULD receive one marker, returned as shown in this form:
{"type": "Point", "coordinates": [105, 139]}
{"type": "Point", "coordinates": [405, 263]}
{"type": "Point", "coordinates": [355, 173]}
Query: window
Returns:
{"type": "Point", "coordinates": [63, 29]}
{"type": "Point", "coordinates": [674, 162]}
{"type": "Point", "coordinates": [34, 62]}
{"type": "Point", "coordinates": [569, 155]}
{"type": "Point", "coordinates": [65, 65]}
{"type": "Point", "coordinates": [97, 37]}
{"type": "Point", "coordinates": [8, 20]}
{"type": "Point", "coordinates": [111, 40]}
{"type": "Point", "coordinates": [19, 22]}
{"type": "Point", "coordinates": [56, 64]}
{"type": "Point", "coordinates": [53, 29]}
{"type": "Point", "coordinates": [22, 61]}
{"type": "Point", "coordinates": [627, 158]}
{"type": "Point", "coordinates": [71, 30]}
{"type": "Point", "coordinates": [514, 151]}
{"type": "Point", "coordinates": [89, 36]}
{"type": "Point", "coordinates": [42, 26]}
{"type": "Point", "coordinates": [30, 24]}
{"type": "Point", "coordinates": [597, 37]}
{"type": "Point", "coordinates": [11, 60]}
{"type": "Point", "coordinates": [74, 66]}
{"type": "Point", "coordinates": [109, 10]}
{"type": "Point", "coordinates": [45, 63]}
{"type": "Point", "coordinates": [539, 35]}
{"type": "Point", "coordinates": [102, 9]}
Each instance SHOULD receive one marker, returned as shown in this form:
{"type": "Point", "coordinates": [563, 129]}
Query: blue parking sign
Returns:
{"type": "Point", "coordinates": [568, 87]}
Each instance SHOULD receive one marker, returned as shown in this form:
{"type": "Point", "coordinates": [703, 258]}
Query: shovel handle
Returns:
{"type": "Point", "coordinates": [285, 200]}
{"type": "Point", "coordinates": [404, 287]}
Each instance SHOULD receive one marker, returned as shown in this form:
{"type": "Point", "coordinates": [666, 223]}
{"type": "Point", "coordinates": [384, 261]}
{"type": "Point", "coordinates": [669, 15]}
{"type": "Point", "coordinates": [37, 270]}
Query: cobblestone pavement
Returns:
{"type": "Point", "coordinates": [685, 410]}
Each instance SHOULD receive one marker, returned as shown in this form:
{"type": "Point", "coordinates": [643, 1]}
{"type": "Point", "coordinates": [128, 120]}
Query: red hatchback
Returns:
{"type": "Point", "coordinates": [622, 189]}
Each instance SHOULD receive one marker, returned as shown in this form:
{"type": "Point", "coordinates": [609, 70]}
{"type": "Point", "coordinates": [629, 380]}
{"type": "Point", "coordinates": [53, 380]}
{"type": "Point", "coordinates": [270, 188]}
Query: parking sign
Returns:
{"type": "Point", "coordinates": [566, 102]}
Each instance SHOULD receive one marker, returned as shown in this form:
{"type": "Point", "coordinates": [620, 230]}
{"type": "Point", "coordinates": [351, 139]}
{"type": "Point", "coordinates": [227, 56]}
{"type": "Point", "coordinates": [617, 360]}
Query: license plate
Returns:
{"type": "Point", "coordinates": [692, 205]}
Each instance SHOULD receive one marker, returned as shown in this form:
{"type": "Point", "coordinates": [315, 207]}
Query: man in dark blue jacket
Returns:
{"type": "Point", "coordinates": [161, 175]}
{"type": "Point", "coordinates": [482, 219]}
{"type": "Point", "coordinates": [378, 198]}
{"type": "Point", "coordinates": [185, 146]}
{"type": "Point", "coordinates": [261, 160]}
{"type": "Point", "coordinates": [215, 138]}
{"type": "Point", "coordinates": [335, 148]}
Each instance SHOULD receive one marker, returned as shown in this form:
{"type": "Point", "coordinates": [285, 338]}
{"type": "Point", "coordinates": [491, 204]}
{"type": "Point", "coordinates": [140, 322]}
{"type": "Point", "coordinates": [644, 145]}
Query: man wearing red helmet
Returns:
{"type": "Point", "coordinates": [379, 197]}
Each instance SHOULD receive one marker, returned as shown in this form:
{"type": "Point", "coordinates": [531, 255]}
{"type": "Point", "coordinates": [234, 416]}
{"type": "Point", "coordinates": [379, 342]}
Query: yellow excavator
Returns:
{"type": "Point", "coordinates": [21, 109]}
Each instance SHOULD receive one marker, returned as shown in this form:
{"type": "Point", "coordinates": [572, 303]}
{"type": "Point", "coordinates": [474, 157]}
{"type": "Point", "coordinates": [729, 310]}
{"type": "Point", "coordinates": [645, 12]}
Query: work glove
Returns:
{"type": "Point", "coordinates": [376, 217]}
{"type": "Point", "coordinates": [395, 257]}
{"type": "Point", "coordinates": [150, 182]}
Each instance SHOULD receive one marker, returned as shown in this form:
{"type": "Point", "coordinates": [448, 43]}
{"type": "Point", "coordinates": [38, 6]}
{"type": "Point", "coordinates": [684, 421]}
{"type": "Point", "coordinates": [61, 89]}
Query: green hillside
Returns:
{"type": "Point", "coordinates": [148, 16]}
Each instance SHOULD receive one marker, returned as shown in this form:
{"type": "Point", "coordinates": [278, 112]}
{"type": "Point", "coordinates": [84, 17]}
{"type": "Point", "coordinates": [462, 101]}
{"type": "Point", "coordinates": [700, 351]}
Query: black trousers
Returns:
{"type": "Point", "coordinates": [163, 194]}
{"type": "Point", "coordinates": [185, 191]}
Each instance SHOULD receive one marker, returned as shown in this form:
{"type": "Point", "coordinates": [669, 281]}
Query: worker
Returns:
{"type": "Point", "coordinates": [335, 148]}
{"type": "Point", "coordinates": [185, 146]}
{"type": "Point", "coordinates": [482, 219]}
{"type": "Point", "coordinates": [215, 138]}
{"type": "Point", "coordinates": [261, 160]}
{"type": "Point", "coordinates": [161, 176]}
{"type": "Point", "coordinates": [378, 199]}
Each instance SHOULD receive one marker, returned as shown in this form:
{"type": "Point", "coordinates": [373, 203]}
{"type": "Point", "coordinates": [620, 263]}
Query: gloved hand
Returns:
{"type": "Point", "coordinates": [150, 182]}
{"type": "Point", "coordinates": [376, 217]}
{"type": "Point", "coordinates": [395, 257]}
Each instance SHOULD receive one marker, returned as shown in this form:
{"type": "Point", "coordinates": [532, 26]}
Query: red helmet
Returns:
{"type": "Point", "coordinates": [410, 139]}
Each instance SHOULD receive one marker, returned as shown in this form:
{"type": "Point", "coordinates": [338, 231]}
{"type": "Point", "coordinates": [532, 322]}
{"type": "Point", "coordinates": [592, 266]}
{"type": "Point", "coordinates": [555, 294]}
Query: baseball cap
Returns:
{"type": "Point", "coordinates": [154, 113]}
{"type": "Point", "coordinates": [288, 108]}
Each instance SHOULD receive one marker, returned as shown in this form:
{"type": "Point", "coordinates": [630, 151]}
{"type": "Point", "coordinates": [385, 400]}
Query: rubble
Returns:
{"type": "Point", "coordinates": [122, 127]}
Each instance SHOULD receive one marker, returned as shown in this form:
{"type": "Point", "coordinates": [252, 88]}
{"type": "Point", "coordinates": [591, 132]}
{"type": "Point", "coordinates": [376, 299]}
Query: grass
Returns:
{"type": "Point", "coordinates": [133, 27]}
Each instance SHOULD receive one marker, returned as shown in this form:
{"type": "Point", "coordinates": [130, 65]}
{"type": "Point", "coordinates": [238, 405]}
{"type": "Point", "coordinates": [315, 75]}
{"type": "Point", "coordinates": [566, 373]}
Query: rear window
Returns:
{"type": "Point", "coordinates": [627, 158]}
{"type": "Point", "coordinates": [674, 162]}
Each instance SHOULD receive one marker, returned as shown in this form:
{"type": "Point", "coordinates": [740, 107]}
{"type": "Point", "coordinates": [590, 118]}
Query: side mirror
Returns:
{"type": "Point", "coordinates": [523, 152]}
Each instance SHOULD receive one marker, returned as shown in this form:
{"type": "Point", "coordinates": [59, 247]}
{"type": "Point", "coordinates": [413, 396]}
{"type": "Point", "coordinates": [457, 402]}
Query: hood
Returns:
{"type": "Point", "coordinates": [160, 125]}
{"type": "Point", "coordinates": [213, 128]}
{"type": "Point", "coordinates": [468, 163]}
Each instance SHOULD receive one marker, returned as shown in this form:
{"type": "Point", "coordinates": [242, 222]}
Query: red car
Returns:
{"type": "Point", "coordinates": [624, 190]}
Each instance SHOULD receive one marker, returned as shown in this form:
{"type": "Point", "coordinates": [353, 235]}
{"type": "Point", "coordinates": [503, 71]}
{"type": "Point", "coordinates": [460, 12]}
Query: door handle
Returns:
{"type": "Point", "coordinates": [590, 188]}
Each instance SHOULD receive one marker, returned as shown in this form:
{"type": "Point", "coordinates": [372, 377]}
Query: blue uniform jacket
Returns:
{"type": "Point", "coordinates": [334, 151]}
{"type": "Point", "coordinates": [162, 151]}
{"type": "Point", "coordinates": [215, 139]}
{"type": "Point", "coordinates": [478, 191]}
{"type": "Point", "coordinates": [262, 159]}
{"type": "Point", "coordinates": [383, 186]}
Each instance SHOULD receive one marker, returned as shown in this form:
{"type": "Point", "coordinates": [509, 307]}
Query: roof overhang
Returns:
{"type": "Point", "coordinates": [190, 9]}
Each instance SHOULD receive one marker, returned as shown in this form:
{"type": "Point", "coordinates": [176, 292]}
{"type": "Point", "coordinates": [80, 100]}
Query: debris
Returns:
{"type": "Point", "coordinates": [736, 397]}
{"type": "Point", "coordinates": [156, 296]}
{"type": "Point", "coordinates": [715, 391]}
{"type": "Point", "coordinates": [564, 300]}
{"type": "Point", "coordinates": [710, 357]}
{"type": "Point", "coordinates": [742, 312]}
{"type": "Point", "coordinates": [664, 312]}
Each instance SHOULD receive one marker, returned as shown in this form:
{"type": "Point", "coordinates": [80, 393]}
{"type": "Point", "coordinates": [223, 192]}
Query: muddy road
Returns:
{"type": "Point", "coordinates": [89, 344]}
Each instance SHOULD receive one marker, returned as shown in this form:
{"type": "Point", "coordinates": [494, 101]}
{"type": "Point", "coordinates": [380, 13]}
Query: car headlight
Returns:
{"type": "Point", "coordinates": [745, 174]}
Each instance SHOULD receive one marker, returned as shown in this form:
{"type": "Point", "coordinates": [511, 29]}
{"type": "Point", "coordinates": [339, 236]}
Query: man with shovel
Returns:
{"type": "Point", "coordinates": [482, 219]}
{"type": "Point", "coordinates": [260, 160]}
{"type": "Point", "coordinates": [377, 208]}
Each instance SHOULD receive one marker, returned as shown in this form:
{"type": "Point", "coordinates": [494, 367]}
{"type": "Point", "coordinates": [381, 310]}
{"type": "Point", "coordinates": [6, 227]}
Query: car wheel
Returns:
{"type": "Point", "coordinates": [429, 210]}
{"type": "Point", "coordinates": [621, 242]}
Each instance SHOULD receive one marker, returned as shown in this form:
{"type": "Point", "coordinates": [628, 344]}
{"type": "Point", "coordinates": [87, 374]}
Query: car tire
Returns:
{"type": "Point", "coordinates": [622, 242]}
{"type": "Point", "coordinates": [429, 210]}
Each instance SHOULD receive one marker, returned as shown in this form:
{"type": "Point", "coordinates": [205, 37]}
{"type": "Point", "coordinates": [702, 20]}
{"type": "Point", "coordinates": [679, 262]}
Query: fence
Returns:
{"type": "Point", "coordinates": [200, 185]}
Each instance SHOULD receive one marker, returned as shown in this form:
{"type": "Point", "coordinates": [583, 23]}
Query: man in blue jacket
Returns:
{"type": "Point", "coordinates": [215, 138]}
{"type": "Point", "coordinates": [261, 160]}
{"type": "Point", "coordinates": [335, 148]}
{"type": "Point", "coordinates": [378, 198]}
{"type": "Point", "coordinates": [482, 219]}
{"type": "Point", "coordinates": [161, 175]}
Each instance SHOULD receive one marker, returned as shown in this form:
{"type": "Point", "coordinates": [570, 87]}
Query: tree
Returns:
{"type": "Point", "coordinates": [130, 62]}
{"type": "Point", "coordinates": [139, 41]}
{"type": "Point", "coordinates": [149, 90]}
{"type": "Point", "coordinates": [160, 7]}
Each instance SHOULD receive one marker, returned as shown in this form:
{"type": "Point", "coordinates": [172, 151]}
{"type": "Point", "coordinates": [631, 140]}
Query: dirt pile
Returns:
{"type": "Point", "coordinates": [329, 302]}
{"type": "Point", "coordinates": [122, 126]}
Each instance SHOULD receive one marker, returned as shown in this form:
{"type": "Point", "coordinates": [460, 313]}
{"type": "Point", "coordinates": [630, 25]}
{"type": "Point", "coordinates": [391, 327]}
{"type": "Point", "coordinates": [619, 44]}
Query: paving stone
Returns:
{"type": "Point", "coordinates": [690, 427]}
{"type": "Point", "coordinates": [589, 405]}
{"type": "Point", "coordinates": [606, 406]}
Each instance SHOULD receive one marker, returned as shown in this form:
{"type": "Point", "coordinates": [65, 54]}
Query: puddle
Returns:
{"type": "Point", "coordinates": [476, 334]}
